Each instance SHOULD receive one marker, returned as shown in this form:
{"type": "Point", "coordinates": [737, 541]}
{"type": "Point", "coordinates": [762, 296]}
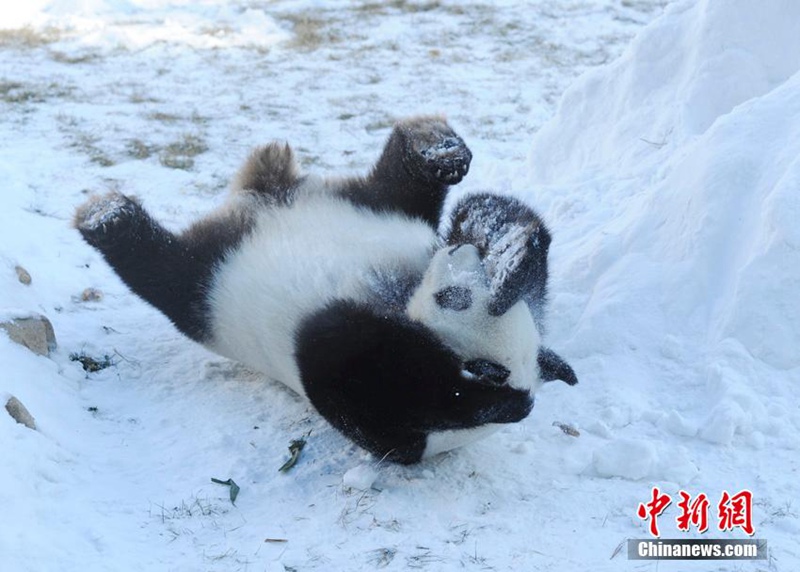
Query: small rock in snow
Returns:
{"type": "Point", "coordinates": [23, 275]}
{"type": "Point", "coordinates": [35, 333]}
{"type": "Point", "coordinates": [360, 477]}
{"type": "Point", "coordinates": [91, 295]}
{"type": "Point", "coordinates": [20, 413]}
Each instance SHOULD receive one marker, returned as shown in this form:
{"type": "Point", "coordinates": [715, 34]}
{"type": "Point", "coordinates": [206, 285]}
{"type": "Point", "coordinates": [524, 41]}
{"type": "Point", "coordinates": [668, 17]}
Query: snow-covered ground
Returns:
{"type": "Point", "coordinates": [669, 178]}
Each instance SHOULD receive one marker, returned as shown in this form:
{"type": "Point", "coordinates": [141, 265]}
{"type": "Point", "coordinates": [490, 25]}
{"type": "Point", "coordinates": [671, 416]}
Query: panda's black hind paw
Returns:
{"type": "Point", "coordinates": [434, 151]}
{"type": "Point", "coordinates": [448, 161]}
{"type": "Point", "coordinates": [105, 220]}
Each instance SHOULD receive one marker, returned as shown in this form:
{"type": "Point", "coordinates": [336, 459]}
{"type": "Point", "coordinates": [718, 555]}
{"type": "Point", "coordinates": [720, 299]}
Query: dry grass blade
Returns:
{"type": "Point", "coordinates": [91, 364]}
{"type": "Point", "coordinates": [234, 488]}
{"type": "Point", "coordinates": [295, 448]}
{"type": "Point", "coordinates": [567, 429]}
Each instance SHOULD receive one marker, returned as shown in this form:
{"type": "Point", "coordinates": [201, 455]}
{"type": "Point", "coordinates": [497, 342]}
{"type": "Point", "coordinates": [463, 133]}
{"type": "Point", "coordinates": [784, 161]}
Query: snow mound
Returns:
{"type": "Point", "coordinates": [138, 24]}
{"type": "Point", "coordinates": [628, 458]}
{"type": "Point", "coordinates": [361, 477]}
{"type": "Point", "coordinates": [637, 459]}
{"type": "Point", "coordinates": [695, 64]}
{"type": "Point", "coordinates": [683, 160]}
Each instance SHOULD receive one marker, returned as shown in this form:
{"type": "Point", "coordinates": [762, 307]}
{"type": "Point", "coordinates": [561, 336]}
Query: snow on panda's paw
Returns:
{"type": "Point", "coordinates": [107, 218]}
{"type": "Point", "coordinates": [513, 242]}
{"type": "Point", "coordinates": [435, 151]}
{"type": "Point", "coordinates": [450, 158]}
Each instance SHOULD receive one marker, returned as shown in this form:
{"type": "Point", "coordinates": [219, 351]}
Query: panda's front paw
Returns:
{"type": "Point", "coordinates": [434, 152]}
{"type": "Point", "coordinates": [106, 219]}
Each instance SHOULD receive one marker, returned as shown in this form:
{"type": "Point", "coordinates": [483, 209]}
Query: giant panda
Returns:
{"type": "Point", "coordinates": [407, 341]}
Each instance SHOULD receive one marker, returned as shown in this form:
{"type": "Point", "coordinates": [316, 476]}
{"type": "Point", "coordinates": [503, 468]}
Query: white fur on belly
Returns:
{"type": "Point", "coordinates": [296, 260]}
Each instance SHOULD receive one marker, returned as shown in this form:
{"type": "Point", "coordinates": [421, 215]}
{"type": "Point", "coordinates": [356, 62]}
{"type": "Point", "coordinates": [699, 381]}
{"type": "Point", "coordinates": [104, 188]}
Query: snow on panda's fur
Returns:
{"type": "Point", "coordinates": [407, 342]}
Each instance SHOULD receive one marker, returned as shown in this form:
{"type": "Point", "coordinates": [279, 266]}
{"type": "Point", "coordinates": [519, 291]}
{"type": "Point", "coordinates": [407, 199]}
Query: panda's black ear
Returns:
{"type": "Point", "coordinates": [552, 367]}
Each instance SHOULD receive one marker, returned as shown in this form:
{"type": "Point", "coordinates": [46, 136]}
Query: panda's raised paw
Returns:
{"type": "Point", "coordinates": [435, 151]}
{"type": "Point", "coordinates": [516, 261]}
{"type": "Point", "coordinates": [450, 158]}
{"type": "Point", "coordinates": [107, 218]}
{"type": "Point", "coordinates": [513, 242]}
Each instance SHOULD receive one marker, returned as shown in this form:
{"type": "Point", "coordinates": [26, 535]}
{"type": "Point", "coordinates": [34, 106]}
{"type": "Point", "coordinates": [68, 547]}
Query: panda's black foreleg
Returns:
{"type": "Point", "coordinates": [422, 158]}
{"type": "Point", "coordinates": [159, 266]}
{"type": "Point", "coordinates": [513, 243]}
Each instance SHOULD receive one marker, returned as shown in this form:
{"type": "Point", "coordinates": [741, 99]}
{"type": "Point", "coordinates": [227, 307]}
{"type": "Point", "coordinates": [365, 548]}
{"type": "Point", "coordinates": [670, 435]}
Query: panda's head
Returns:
{"type": "Point", "coordinates": [453, 300]}
{"type": "Point", "coordinates": [447, 373]}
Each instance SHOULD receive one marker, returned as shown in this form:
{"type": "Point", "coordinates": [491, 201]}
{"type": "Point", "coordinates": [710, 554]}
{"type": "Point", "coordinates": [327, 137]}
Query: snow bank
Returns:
{"type": "Point", "coordinates": [138, 24]}
{"type": "Point", "coordinates": [671, 179]}
{"type": "Point", "coordinates": [682, 160]}
{"type": "Point", "coordinates": [678, 77]}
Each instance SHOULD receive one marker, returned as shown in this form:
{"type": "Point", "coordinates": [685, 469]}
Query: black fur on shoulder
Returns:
{"type": "Point", "coordinates": [386, 382]}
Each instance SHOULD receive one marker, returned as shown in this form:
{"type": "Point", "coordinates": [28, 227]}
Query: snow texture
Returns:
{"type": "Point", "coordinates": [103, 211]}
{"type": "Point", "coordinates": [668, 177]}
{"type": "Point", "coordinates": [506, 254]}
{"type": "Point", "coordinates": [361, 477]}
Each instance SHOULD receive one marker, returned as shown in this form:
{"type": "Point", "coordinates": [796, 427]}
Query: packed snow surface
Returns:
{"type": "Point", "coordinates": [669, 177]}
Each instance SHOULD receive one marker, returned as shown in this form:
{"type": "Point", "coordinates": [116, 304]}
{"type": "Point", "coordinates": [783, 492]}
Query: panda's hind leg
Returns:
{"type": "Point", "coordinates": [429, 150]}
{"type": "Point", "coordinates": [270, 172]}
{"type": "Point", "coordinates": [422, 158]}
{"type": "Point", "coordinates": [513, 242]}
{"type": "Point", "coordinates": [170, 271]}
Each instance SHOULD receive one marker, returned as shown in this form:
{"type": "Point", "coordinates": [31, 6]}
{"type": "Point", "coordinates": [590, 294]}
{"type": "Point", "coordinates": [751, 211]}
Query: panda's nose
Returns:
{"type": "Point", "coordinates": [487, 372]}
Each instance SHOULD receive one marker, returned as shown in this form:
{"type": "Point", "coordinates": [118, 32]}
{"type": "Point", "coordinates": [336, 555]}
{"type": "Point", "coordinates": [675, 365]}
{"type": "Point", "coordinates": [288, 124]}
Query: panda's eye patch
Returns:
{"type": "Point", "coordinates": [454, 298]}
{"type": "Point", "coordinates": [488, 371]}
